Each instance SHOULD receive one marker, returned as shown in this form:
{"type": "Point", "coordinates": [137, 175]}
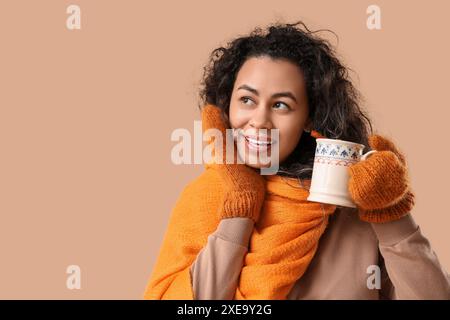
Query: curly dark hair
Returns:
{"type": "Point", "coordinates": [333, 100]}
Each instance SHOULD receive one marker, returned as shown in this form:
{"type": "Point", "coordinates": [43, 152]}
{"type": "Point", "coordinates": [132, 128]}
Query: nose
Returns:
{"type": "Point", "coordinates": [260, 118]}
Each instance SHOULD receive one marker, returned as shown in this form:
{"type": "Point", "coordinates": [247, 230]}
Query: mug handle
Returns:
{"type": "Point", "coordinates": [364, 156]}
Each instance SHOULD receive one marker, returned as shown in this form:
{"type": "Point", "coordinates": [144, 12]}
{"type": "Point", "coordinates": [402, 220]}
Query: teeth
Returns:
{"type": "Point", "coordinates": [258, 142]}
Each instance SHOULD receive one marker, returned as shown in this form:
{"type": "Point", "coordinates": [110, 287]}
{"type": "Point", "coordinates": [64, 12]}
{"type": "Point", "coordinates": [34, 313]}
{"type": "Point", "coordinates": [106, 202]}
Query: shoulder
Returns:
{"type": "Point", "coordinates": [193, 217]}
{"type": "Point", "coordinates": [203, 194]}
{"type": "Point", "coordinates": [208, 181]}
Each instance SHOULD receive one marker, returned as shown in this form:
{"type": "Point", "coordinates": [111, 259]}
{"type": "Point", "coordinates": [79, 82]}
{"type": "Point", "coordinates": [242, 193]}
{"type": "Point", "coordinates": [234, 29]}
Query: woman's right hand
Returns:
{"type": "Point", "coordinates": [244, 187]}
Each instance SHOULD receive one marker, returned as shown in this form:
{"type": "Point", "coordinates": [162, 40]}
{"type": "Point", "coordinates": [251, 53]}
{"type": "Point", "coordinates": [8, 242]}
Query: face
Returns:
{"type": "Point", "coordinates": [268, 94]}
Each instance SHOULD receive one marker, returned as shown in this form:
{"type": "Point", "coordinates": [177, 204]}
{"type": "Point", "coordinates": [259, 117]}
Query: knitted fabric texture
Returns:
{"type": "Point", "coordinates": [380, 185]}
{"type": "Point", "coordinates": [282, 245]}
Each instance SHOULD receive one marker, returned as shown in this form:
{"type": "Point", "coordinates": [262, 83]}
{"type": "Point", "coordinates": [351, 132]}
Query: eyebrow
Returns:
{"type": "Point", "coordinates": [286, 94]}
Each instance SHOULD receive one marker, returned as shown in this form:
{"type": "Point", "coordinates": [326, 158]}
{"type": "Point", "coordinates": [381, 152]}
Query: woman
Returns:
{"type": "Point", "coordinates": [236, 234]}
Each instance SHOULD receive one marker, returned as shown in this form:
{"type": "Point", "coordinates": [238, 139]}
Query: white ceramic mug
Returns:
{"type": "Point", "coordinates": [329, 182]}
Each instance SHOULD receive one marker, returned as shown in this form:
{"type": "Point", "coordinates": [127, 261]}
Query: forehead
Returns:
{"type": "Point", "coordinates": [270, 75]}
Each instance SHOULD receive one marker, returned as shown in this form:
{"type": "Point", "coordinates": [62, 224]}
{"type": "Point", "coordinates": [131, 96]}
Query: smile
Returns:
{"type": "Point", "coordinates": [258, 143]}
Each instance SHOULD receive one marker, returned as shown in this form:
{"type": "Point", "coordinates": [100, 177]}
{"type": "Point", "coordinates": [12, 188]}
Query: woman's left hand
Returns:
{"type": "Point", "coordinates": [380, 185]}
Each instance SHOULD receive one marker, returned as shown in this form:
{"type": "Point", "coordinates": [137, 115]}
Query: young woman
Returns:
{"type": "Point", "coordinates": [237, 234]}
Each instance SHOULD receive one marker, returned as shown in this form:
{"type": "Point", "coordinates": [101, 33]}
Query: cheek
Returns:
{"type": "Point", "coordinates": [290, 135]}
{"type": "Point", "coordinates": [237, 118]}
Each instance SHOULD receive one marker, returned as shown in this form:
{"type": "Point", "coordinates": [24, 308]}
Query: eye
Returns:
{"type": "Point", "coordinates": [286, 107]}
{"type": "Point", "coordinates": [245, 99]}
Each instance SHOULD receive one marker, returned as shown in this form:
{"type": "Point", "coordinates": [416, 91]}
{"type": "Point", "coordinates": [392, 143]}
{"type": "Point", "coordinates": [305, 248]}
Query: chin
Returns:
{"type": "Point", "coordinates": [253, 162]}
{"type": "Point", "coordinates": [257, 165]}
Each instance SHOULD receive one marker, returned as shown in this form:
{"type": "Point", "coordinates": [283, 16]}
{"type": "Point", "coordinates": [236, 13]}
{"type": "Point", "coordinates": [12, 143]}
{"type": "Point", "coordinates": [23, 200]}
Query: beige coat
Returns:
{"type": "Point", "coordinates": [355, 260]}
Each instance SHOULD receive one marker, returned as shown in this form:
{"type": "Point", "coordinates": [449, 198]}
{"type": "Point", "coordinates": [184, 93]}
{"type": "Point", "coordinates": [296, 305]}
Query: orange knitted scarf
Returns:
{"type": "Point", "coordinates": [282, 245]}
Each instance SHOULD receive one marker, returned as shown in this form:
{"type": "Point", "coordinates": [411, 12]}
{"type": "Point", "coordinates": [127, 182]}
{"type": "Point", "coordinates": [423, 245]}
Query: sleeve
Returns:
{"type": "Point", "coordinates": [216, 270]}
{"type": "Point", "coordinates": [410, 268]}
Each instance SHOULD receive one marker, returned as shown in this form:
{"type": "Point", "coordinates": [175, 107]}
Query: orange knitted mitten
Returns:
{"type": "Point", "coordinates": [380, 185]}
{"type": "Point", "coordinates": [244, 186]}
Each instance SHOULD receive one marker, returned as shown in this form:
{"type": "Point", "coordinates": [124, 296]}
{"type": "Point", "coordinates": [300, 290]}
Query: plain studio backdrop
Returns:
{"type": "Point", "coordinates": [86, 115]}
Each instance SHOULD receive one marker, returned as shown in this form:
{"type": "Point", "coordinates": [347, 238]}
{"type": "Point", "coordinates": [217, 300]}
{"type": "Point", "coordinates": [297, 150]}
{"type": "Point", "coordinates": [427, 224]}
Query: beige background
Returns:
{"type": "Point", "coordinates": [86, 118]}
